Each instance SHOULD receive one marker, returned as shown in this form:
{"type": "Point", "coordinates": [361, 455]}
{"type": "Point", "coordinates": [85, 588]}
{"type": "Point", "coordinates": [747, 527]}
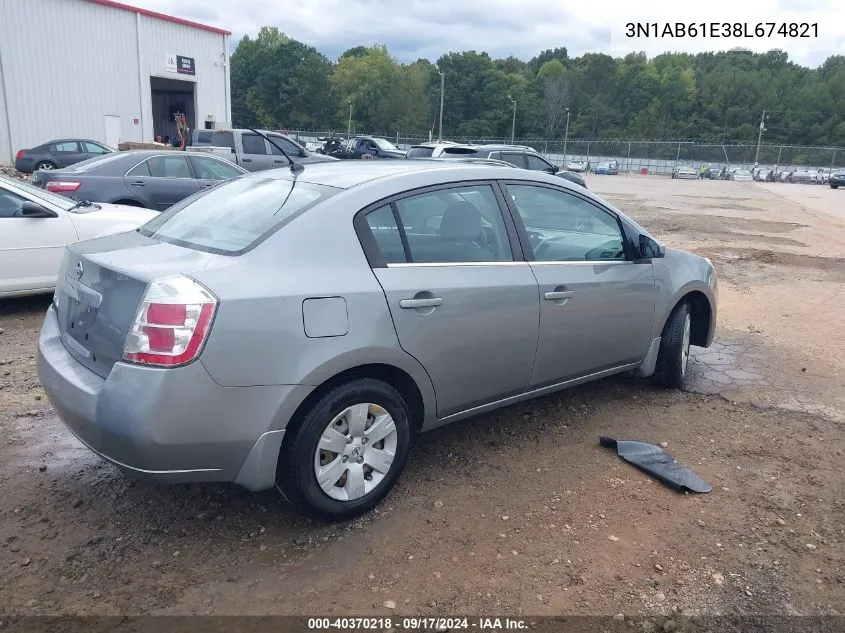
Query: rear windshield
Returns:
{"type": "Point", "coordinates": [235, 216]}
{"type": "Point", "coordinates": [419, 152]}
{"type": "Point", "coordinates": [464, 151]}
{"type": "Point", "coordinates": [96, 162]}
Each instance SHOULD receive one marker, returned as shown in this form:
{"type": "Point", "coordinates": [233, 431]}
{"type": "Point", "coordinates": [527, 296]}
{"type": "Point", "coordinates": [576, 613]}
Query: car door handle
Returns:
{"type": "Point", "coordinates": [557, 295]}
{"type": "Point", "coordinates": [279, 161]}
{"type": "Point", "coordinates": [246, 160]}
{"type": "Point", "coordinates": [210, 184]}
{"type": "Point", "coordinates": [137, 183]}
{"type": "Point", "coordinates": [410, 304]}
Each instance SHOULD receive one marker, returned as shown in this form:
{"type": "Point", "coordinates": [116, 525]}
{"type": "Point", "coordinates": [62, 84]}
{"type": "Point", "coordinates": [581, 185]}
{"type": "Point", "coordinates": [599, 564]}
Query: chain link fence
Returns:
{"type": "Point", "coordinates": [653, 157]}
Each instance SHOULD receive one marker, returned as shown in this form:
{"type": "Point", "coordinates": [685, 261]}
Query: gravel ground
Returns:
{"type": "Point", "coordinates": [519, 512]}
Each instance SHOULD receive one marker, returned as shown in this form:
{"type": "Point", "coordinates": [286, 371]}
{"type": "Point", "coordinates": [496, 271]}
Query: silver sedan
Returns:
{"type": "Point", "coordinates": [295, 329]}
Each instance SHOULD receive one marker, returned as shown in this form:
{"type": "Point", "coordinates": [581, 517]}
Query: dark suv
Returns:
{"type": "Point", "coordinates": [836, 179]}
{"type": "Point", "coordinates": [517, 155]}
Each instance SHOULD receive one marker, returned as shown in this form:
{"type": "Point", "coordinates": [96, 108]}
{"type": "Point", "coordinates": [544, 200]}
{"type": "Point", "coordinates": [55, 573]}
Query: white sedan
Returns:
{"type": "Point", "coordinates": [576, 165]}
{"type": "Point", "coordinates": [35, 227]}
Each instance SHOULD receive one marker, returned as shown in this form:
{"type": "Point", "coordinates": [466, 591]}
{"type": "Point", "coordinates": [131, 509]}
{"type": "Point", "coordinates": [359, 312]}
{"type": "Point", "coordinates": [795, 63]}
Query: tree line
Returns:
{"type": "Point", "coordinates": [281, 83]}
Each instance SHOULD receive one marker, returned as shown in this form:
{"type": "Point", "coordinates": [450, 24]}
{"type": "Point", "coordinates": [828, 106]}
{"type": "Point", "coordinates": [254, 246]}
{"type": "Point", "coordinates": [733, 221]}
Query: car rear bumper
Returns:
{"type": "Point", "coordinates": [24, 165]}
{"type": "Point", "coordinates": [168, 425]}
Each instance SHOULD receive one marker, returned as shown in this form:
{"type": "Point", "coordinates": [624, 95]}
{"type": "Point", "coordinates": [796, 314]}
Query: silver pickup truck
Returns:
{"type": "Point", "coordinates": [252, 152]}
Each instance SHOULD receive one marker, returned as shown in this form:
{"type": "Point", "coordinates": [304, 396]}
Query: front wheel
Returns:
{"type": "Point", "coordinates": [673, 356]}
{"type": "Point", "coordinates": [348, 451]}
{"type": "Point", "coordinates": [834, 186]}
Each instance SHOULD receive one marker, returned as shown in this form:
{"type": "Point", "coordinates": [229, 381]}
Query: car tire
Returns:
{"type": "Point", "coordinates": [834, 186]}
{"type": "Point", "coordinates": [673, 356]}
{"type": "Point", "coordinates": [309, 451]}
{"type": "Point", "coordinates": [45, 164]}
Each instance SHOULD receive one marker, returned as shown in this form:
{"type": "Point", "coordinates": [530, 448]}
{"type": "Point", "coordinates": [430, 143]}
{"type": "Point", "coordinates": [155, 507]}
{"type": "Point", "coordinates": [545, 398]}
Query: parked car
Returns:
{"type": "Point", "coordinates": [36, 225]}
{"type": "Point", "coordinates": [684, 172]}
{"type": "Point", "coordinates": [520, 156]}
{"type": "Point", "coordinates": [801, 176]}
{"type": "Point", "coordinates": [140, 178]}
{"type": "Point", "coordinates": [836, 179]}
{"type": "Point", "coordinates": [58, 154]}
{"type": "Point", "coordinates": [433, 149]}
{"type": "Point", "coordinates": [254, 153]}
{"type": "Point", "coordinates": [610, 168]}
{"type": "Point", "coordinates": [576, 165]}
{"type": "Point", "coordinates": [374, 147]}
{"type": "Point", "coordinates": [740, 174]}
{"type": "Point", "coordinates": [179, 352]}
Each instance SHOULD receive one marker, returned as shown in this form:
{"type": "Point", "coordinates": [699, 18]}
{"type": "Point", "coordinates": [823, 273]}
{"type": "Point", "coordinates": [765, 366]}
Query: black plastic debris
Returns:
{"type": "Point", "coordinates": [651, 459]}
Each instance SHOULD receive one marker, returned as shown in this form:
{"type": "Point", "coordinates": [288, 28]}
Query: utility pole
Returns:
{"type": "Point", "coordinates": [760, 136]}
{"type": "Point", "coordinates": [565, 136]}
{"type": "Point", "coordinates": [442, 86]}
{"type": "Point", "coordinates": [349, 125]}
{"type": "Point", "coordinates": [513, 123]}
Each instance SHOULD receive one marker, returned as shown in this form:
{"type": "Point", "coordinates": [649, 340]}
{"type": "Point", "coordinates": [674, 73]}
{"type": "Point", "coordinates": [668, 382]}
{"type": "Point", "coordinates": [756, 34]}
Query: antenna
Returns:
{"type": "Point", "coordinates": [295, 167]}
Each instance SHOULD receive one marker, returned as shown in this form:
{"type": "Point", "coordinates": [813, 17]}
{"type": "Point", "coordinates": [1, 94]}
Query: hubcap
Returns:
{"type": "Point", "coordinates": [685, 346]}
{"type": "Point", "coordinates": [355, 451]}
{"type": "Point", "coordinates": [46, 166]}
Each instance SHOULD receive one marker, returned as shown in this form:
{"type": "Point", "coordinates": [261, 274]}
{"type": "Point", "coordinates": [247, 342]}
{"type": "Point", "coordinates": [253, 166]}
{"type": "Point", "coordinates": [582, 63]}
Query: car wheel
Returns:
{"type": "Point", "coordinates": [348, 451]}
{"type": "Point", "coordinates": [673, 356]}
{"type": "Point", "coordinates": [45, 165]}
{"type": "Point", "coordinates": [834, 186]}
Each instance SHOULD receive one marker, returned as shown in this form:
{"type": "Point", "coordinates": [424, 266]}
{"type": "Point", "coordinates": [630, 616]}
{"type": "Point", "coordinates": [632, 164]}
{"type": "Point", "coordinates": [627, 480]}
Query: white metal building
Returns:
{"type": "Point", "coordinates": [105, 71]}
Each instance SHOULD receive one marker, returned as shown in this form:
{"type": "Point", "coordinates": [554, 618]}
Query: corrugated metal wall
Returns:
{"type": "Point", "coordinates": [69, 63]}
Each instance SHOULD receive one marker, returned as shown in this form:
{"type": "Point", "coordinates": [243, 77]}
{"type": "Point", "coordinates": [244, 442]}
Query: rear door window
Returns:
{"type": "Point", "coordinates": [253, 144]}
{"type": "Point", "coordinates": [169, 167]}
{"type": "Point", "coordinates": [212, 169]}
{"type": "Point", "coordinates": [66, 146]}
{"type": "Point", "coordinates": [515, 158]}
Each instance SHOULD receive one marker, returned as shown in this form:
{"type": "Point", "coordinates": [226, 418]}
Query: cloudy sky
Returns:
{"type": "Point", "coordinates": [428, 28]}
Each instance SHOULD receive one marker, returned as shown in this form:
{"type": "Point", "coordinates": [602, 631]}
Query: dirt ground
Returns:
{"type": "Point", "coordinates": [519, 512]}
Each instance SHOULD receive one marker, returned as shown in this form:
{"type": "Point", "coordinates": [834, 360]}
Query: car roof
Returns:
{"type": "Point", "coordinates": [345, 174]}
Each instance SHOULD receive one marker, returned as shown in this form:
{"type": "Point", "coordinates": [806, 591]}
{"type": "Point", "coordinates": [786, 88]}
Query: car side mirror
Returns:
{"type": "Point", "coordinates": [31, 209]}
{"type": "Point", "coordinates": [650, 249]}
{"type": "Point", "coordinates": [554, 169]}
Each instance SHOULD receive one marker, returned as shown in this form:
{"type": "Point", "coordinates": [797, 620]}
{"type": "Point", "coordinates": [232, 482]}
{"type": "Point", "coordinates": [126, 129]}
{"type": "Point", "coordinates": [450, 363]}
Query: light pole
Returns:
{"type": "Point", "coordinates": [442, 85]}
{"type": "Point", "coordinates": [565, 136]}
{"type": "Point", "coordinates": [760, 136]}
{"type": "Point", "coordinates": [349, 125]}
{"type": "Point", "coordinates": [513, 123]}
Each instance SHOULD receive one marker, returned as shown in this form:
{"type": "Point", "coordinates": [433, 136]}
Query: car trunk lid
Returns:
{"type": "Point", "coordinates": [100, 287]}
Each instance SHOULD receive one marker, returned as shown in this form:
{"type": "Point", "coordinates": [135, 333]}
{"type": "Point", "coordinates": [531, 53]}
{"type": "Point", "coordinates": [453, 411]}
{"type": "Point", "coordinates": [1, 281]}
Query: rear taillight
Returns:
{"type": "Point", "coordinates": [60, 186]}
{"type": "Point", "coordinates": [172, 323]}
{"type": "Point", "coordinates": [20, 154]}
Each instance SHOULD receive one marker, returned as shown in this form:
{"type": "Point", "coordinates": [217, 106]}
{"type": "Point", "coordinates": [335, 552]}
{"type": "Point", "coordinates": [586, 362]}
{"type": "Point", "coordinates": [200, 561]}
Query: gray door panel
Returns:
{"type": "Point", "coordinates": [593, 316]}
{"type": "Point", "coordinates": [254, 153]}
{"type": "Point", "coordinates": [473, 327]}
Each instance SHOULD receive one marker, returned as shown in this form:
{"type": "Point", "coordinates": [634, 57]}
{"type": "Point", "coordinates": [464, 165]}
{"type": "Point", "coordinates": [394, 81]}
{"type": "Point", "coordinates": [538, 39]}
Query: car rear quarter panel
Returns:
{"type": "Point", "coordinates": [258, 336]}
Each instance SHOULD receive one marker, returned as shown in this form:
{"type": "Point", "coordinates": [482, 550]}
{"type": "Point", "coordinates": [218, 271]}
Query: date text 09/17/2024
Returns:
{"type": "Point", "coordinates": [417, 623]}
{"type": "Point", "coordinates": [722, 29]}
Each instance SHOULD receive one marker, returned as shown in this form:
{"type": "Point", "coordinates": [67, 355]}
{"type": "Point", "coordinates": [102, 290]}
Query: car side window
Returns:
{"type": "Point", "coordinates": [253, 144]}
{"type": "Point", "coordinates": [11, 205]}
{"type": "Point", "coordinates": [291, 148]}
{"type": "Point", "coordinates": [212, 169]}
{"type": "Point", "coordinates": [564, 227]}
{"type": "Point", "coordinates": [514, 158]}
{"type": "Point", "coordinates": [169, 167]}
{"type": "Point", "coordinates": [141, 170]}
{"type": "Point", "coordinates": [67, 146]}
{"type": "Point", "coordinates": [93, 148]}
{"type": "Point", "coordinates": [536, 163]}
{"type": "Point", "coordinates": [455, 225]}
{"type": "Point", "coordinates": [383, 226]}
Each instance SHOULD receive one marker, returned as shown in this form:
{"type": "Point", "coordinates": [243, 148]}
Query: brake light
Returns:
{"type": "Point", "coordinates": [172, 323]}
{"type": "Point", "coordinates": [59, 186]}
{"type": "Point", "coordinates": [20, 154]}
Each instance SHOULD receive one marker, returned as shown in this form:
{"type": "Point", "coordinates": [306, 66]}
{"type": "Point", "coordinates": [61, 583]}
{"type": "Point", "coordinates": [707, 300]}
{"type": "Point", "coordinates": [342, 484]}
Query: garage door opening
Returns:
{"type": "Point", "coordinates": [169, 97]}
